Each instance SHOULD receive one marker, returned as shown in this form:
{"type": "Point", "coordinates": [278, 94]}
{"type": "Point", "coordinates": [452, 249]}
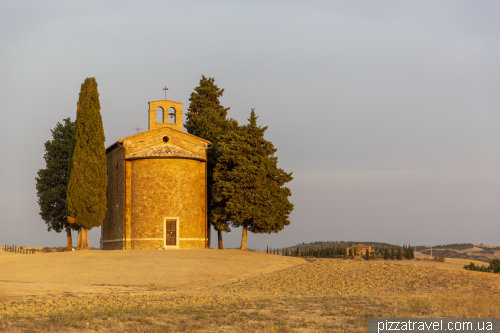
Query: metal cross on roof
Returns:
{"type": "Point", "coordinates": [165, 91]}
{"type": "Point", "coordinates": [137, 129]}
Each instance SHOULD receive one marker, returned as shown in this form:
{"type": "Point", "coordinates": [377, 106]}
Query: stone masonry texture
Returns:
{"type": "Point", "coordinates": [152, 176]}
{"type": "Point", "coordinates": [168, 188]}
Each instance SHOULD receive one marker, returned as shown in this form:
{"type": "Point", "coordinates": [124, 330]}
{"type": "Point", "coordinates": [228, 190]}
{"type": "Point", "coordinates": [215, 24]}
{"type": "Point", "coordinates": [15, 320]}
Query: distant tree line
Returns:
{"type": "Point", "coordinates": [454, 246]}
{"type": "Point", "coordinates": [392, 252]}
{"type": "Point", "coordinates": [343, 243]}
{"type": "Point", "coordinates": [489, 250]}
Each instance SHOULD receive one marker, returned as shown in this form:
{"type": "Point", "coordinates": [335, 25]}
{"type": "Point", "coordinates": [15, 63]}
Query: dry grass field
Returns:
{"type": "Point", "coordinates": [228, 291]}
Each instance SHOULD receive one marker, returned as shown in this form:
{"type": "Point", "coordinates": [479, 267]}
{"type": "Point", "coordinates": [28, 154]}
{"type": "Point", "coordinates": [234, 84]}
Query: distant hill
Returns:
{"type": "Point", "coordinates": [339, 243]}
{"type": "Point", "coordinates": [454, 246]}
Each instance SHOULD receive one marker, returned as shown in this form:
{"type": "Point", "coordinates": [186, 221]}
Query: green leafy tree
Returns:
{"type": "Point", "coordinates": [249, 183]}
{"type": "Point", "coordinates": [207, 119]}
{"type": "Point", "coordinates": [51, 182]}
{"type": "Point", "coordinates": [495, 265]}
{"type": "Point", "coordinates": [367, 255]}
{"type": "Point", "coordinates": [86, 200]}
{"type": "Point", "coordinates": [478, 268]}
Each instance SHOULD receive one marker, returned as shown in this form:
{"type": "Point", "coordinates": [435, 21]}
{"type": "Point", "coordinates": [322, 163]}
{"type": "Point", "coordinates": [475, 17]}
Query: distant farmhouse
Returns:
{"type": "Point", "coordinates": [157, 186]}
{"type": "Point", "coordinates": [359, 249]}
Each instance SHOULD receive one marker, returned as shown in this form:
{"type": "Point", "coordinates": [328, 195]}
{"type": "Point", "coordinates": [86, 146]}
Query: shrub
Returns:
{"type": "Point", "coordinates": [472, 267]}
{"type": "Point", "coordinates": [495, 265]}
{"type": "Point", "coordinates": [441, 259]}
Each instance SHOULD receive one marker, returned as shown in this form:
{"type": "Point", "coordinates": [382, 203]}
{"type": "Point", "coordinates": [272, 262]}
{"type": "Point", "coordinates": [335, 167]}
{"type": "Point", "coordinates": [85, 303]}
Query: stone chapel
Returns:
{"type": "Point", "coordinates": [157, 186]}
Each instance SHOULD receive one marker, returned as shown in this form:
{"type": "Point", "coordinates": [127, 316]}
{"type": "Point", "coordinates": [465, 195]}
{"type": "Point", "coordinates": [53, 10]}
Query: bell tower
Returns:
{"type": "Point", "coordinates": [171, 111]}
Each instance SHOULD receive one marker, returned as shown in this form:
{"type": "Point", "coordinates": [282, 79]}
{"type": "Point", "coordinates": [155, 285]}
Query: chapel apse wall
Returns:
{"type": "Point", "coordinates": [168, 188]}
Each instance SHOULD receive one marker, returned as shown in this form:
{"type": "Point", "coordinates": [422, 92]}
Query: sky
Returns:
{"type": "Point", "coordinates": [386, 112]}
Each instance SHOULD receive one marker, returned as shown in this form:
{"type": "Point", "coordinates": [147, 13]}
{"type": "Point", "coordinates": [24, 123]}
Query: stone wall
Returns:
{"type": "Point", "coordinates": [167, 188]}
{"type": "Point", "coordinates": [112, 226]}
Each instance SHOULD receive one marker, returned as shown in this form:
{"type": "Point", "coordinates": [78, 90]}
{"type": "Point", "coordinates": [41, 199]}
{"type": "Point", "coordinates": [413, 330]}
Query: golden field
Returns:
{"type": "Point", "coordinates": [229, 291]}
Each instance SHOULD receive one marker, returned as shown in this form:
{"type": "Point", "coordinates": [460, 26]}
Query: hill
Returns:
{"type": "Point", "coordinates": [324, 244]}
{"type": "Point", "coordinates": [228, 290]}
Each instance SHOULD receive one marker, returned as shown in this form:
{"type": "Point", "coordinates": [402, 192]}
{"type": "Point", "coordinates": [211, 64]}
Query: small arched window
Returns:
{"type": "Point", "coordinates": [171, 116]}
{"type": "Point", "coordinates": [159, 115]}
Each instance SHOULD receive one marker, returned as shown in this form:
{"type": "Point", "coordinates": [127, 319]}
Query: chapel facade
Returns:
{"type": "Point", "coordinates": [157, 186]}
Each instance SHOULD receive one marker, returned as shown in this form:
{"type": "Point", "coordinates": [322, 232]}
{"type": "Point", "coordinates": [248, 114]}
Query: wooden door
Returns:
{"type": "Point", "coordinates": [171, 232]}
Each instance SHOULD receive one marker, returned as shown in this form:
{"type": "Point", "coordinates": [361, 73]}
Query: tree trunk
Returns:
{"type": "Point", "coordinates": [219, 234]}
{"type": "Point", "coordinates": [83, 239]}
{"type": "Point", "coordinates": [244, 238]}
{"type": "Point", "coordinates": [69, 243]}
{"type": "Point", "coordinates": [208, 234]}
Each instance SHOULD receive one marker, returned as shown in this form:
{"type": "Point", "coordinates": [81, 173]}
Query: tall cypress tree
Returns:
{"type": "Point", "coordinates": [207, 119]}
{"type": "Point", "coordinates": [249, 182]}
{"type": "Point", "coordinates": [51, 182]}
{"type": "Point", "coordinates": [400, 254]}
{"type": "Point", "coordinates": [86, 200]}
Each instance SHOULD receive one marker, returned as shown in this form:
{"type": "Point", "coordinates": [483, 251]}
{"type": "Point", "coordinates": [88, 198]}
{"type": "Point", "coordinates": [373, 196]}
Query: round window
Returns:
{"type": "Point", "coordinates": [165, 139]}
